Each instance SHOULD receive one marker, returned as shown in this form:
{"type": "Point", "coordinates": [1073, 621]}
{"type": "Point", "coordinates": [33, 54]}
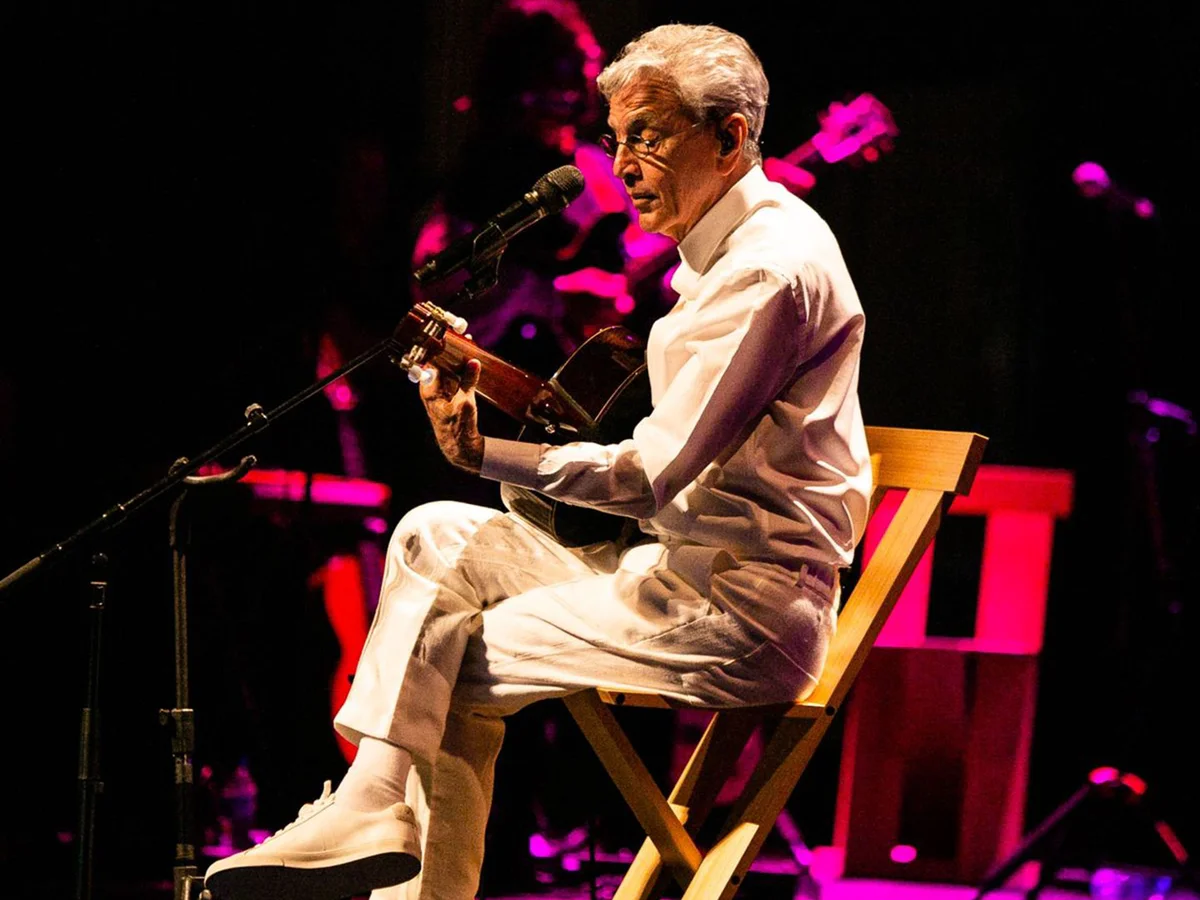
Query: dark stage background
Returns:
{"type": "Point", "coordinates": [194, 190]}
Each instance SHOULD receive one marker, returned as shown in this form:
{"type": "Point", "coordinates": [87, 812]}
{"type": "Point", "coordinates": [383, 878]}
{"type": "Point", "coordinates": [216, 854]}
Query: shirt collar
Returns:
{"type": "Point", "coordinates": [701, 243]}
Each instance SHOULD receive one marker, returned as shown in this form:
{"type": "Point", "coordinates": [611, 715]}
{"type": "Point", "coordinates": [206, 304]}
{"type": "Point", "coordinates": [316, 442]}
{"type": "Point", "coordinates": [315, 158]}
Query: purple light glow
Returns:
{"type": "Point", "coordinates": [1092, 182]}
{"type": "Point", "coordinates": [1169, 410]}
{"type": "Point", "coordinates": [275, 484]}
{"type": "Point", "coordinates": [903, 854]}
{"type": "Point", "coordinates": [1164, 409]}
{"type": "Point", "coordinates": [352, 492]}
{"type": "Point", "coordinates": [375, 524]}
{"type": "Point", "coordinates": [539, 847]}
{"type": "Point", "coordinates": [1091, 179]}
{"type": "Point", "coordinates": [221, 851]}
{"type": "Point", "coordinates": [529, 331]}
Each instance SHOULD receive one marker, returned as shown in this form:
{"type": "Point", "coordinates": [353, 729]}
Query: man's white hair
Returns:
{"type": "Point", "coordinates": [713, 70]}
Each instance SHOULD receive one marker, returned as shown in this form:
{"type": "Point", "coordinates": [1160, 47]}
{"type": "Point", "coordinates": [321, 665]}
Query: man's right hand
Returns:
{"type": "Point", "coordinates": [450, 404]}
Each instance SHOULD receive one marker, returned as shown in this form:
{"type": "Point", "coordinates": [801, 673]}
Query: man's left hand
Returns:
{"type": "Point", "coordinates": [450, 403]}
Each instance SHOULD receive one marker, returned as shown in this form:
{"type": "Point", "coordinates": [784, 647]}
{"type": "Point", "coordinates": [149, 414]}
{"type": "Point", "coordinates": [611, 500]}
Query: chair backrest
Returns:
{"type": "Point", "coordinates": [932, 467]}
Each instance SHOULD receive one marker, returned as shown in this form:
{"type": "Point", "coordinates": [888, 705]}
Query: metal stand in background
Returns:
{"type": "Point", "coordinates": [1045, 843]}
{"type": "Point", "coordinates": [181, 719]}
{"type": "Point", "coordinates": [90, 785]}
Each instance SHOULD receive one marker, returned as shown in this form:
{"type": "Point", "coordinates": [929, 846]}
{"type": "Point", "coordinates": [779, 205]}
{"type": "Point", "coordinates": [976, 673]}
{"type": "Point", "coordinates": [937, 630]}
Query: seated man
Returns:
{"type": "Point", "coordinates": [749, 480]}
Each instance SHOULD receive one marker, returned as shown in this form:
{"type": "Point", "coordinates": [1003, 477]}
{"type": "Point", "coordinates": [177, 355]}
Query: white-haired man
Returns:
{"type": "Point", "coordinates": [749, 480]}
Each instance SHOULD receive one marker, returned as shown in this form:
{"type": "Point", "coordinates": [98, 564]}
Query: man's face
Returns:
{"type": "Point", "coordinates": [676, 181]}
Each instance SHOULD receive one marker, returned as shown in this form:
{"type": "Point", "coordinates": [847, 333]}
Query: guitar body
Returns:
{"type": "Point", "coordinates": [605, 380]}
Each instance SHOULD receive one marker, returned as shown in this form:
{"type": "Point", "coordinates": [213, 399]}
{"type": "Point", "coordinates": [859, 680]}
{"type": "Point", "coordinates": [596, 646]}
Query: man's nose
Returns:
{"type": "Point", "coordinates": [625, 164]}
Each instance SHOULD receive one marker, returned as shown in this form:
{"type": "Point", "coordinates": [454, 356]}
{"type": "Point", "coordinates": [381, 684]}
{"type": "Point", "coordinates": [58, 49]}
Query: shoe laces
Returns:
{"type": "Point", "coordinates": [309, 809]}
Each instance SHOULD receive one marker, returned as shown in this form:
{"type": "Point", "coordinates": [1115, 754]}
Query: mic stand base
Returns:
{"type": "Point", "coordinates": [189, 884]}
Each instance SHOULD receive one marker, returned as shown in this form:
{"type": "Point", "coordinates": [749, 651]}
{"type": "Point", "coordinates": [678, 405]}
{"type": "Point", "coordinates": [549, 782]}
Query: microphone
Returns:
{"type": "Point", "coordinates": [1093, 181]}
{"type": "Point", "coordinates": [551, 194]}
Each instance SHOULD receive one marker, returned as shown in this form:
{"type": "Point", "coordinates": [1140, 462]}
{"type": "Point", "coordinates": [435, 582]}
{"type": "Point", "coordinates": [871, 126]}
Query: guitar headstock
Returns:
{"type": "Point", "coordinates": [863, 128]}
{"type": "Point", "coordinates": [420, 336]}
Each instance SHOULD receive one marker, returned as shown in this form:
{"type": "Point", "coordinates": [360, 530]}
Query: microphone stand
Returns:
{"type": "Point", "coordinates": [483, 273]}
{"type": "Point", "coordinates": [181, 719]}
{"type": "Point", "coordinates": [183, 737]}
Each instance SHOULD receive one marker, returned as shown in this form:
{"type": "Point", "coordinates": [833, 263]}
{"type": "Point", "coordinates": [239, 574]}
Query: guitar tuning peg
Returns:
{"type": "Point", "coordinates": [457, 324]}
{"type": "Point", "coordinates": [420, 375]}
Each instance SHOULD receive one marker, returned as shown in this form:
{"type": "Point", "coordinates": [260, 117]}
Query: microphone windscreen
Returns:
{"type": "Point", "coordinates": [560, 187]}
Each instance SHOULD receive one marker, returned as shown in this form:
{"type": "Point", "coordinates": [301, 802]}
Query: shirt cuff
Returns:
{"type": "Point", "coordinates": [515, 462]}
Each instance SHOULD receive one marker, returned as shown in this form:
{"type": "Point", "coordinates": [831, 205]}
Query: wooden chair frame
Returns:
{"type": "Point", "coordinates": [932, 467]}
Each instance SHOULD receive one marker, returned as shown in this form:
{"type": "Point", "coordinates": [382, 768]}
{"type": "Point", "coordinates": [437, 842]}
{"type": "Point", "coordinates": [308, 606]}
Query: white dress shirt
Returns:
{"type": "Point", "coordinates": [755, 445]}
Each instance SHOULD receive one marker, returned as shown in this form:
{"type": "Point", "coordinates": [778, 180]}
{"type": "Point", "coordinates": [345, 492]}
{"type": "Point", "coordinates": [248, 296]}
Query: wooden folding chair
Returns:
{"type": "Point", "coordinates": [932, 467]}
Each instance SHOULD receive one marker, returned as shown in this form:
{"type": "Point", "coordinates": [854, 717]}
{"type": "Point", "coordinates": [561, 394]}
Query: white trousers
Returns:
{"type": "Point", "coordinates": [481, 614]}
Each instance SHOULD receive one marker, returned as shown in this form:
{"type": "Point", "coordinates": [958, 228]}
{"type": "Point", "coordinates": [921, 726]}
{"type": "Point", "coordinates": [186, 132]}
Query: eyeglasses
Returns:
{"type": "Point", "coordinates": [639, 146]}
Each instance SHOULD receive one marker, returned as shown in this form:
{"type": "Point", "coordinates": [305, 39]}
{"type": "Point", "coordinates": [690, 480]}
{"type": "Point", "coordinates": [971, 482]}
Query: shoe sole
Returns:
{"type": "Point", "coordinates": [360, 876]}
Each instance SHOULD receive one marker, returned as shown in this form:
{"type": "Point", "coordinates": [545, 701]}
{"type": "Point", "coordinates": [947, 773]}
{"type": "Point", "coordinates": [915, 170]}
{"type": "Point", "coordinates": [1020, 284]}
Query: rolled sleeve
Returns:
{"type": "Point", "coordinates": [515, 462]}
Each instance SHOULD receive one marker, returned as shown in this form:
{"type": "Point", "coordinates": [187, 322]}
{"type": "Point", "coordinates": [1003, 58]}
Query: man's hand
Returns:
{"type": "Point", "coordinates": [450, 404]}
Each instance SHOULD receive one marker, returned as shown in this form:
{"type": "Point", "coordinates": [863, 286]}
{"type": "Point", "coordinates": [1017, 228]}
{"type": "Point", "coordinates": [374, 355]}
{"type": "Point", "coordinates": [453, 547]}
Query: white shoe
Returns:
{"type": "Point", "coordinates": [328, 853]}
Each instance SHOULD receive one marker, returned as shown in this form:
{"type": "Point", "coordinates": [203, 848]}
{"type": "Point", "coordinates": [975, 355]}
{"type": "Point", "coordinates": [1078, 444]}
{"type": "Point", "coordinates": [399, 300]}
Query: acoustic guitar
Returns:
{"type": "Point", "coordinates": [598, 394]}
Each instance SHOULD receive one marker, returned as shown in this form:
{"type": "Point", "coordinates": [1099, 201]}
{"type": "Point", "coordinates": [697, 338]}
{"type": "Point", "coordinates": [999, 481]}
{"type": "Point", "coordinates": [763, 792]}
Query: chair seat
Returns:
{"type": "Point", "coordinates": [804, 709]}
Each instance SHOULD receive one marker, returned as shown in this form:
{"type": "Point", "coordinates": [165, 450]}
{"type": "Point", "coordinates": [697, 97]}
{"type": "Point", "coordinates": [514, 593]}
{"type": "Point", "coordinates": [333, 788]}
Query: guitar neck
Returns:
{"type": "Point", "coordinates": [806, 156]}
{"type": "Point", "coordinates": [511, 390]}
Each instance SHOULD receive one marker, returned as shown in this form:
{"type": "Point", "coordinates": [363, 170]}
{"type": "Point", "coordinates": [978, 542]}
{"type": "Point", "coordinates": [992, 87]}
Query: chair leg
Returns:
{"type": "Point", "coordinates": [784, 760]}
{"type": "Point", "coordinates": [661, 822]}
{"type": "Point", "coordinates": [694, 794]}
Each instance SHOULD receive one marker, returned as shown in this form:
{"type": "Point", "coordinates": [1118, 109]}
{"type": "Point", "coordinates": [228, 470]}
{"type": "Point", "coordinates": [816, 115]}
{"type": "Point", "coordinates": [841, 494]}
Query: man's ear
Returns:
{"type": "Point", "coordinates": [732, 133]}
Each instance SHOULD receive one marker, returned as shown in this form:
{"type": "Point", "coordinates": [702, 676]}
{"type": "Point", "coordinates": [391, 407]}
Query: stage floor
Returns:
{"type": "Point", "coordinates": [770, 878]}
{"type": "Point", "coordinates": [844, 889]}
